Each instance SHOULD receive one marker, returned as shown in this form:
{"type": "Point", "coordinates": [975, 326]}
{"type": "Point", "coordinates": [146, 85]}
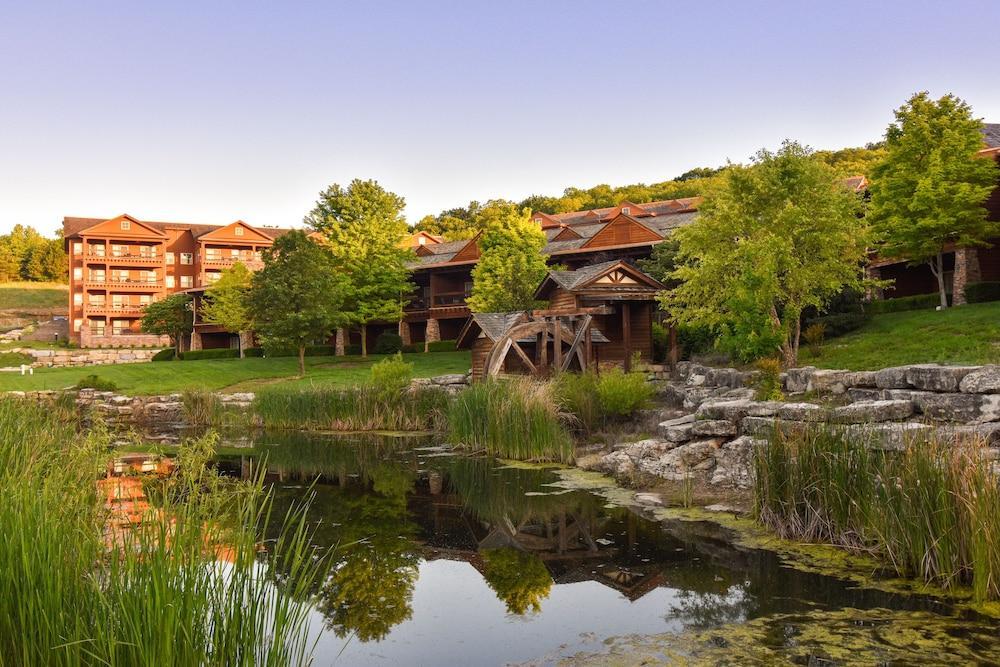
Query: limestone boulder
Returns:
{"type": "Point", "coordinates": [889, 435]}
{"type": "Point", "coordinates": [892, 378]}
{"type": "Point", "coordinates": [864, 412]}
{"type": "Point", "coordinates": [809, 412]}
{"type": "Point", "coordinates": [734, 462]}
{"type": "Point", "coordinates": [723, 409]}
{"type": "Point", "coordinates": [798, 380]}
{"type": "Point", "coordinates": [865, 394]}
{"type": "Point", "coordinates": [987, 433]}
{"type": "Point", "coordinates": [932, 377]}
{"type": "Point", "coordinates": [714, 427]}
{"type": "Point", "coordinates": [983, 380]}
{"type": "Point", "coordinates": [959, 407]}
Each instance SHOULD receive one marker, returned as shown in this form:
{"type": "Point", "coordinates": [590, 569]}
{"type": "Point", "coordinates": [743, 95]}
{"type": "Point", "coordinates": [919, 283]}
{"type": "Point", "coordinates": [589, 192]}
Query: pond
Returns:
{"type": "Point", "coordinates": [449, 559]}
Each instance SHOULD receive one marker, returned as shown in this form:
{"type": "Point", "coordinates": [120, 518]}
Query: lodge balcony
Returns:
{"type": "Point", "coordinates": [123, 259]}
{"type": "Point", "coordinates": [121, 309]}
{"type": "Point", "coordinates": [251, 263]}
{"type": "Point", "coordinates": [124, 285]}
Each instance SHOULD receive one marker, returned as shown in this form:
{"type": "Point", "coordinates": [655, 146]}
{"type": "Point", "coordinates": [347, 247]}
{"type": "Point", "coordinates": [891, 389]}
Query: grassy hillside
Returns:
{"type": "Point", "coordinates": [33, 295]}
{"type": "Point", "coordinates": [163, 377]}
{"type": "Point", "coordinates": [964, 335]}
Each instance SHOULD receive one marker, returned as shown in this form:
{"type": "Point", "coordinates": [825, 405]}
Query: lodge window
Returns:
{"type": "Point", "coordinates": [626, 210]}
{"type": "Point", "coordinates": [77, 324]}
{"type": "Point", "coordinates": [187, 281]}
{"type": "Point", "coordinates": [119, 327]}
{"type": "Point", "coordinates": [170, 258]}
{"type": "Point", "coordinates": [238, 231]}
{"type": "Point", "coordinates": [97, 327]}
{"type": "Point", "coordinates": [234, 252]}
{"type": "Point", "coordinates": [126, 224]}
{"type": "Point", "coordinates": [78, 299]}
{"type": "Point", "coordinates": [187, 258]}
{"type": "Point", "coordinates": [77, 273]}
{"type": "Point", "coordinates": [170, 282]}
{"type": "Point", "coordinates": [77, 248]}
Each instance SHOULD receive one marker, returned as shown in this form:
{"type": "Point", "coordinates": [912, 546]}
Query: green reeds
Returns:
{"type": "Point", "coordinates": [511, 418]}
{"type": "Point", "coordinates": [205, 408]}
{"type": "Point", "coordinates": [188, 585]}
{"type": "Point", "coordinates": [930, 511]}
{"type": "Point", "coordinates": [361, 408]}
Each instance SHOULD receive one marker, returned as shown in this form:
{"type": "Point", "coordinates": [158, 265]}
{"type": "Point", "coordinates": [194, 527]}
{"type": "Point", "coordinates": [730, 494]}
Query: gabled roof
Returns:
{"type": "Point", "coordinates": [223, 233]}
{"type": "Point", "coordinates": [614, 276]}
{"type": "Point", "coordinates": [991, 135]}
{"type": "Point", "coordinates": [623, 230]}
{"type": "Point", "coordinates": [491, 325]}
{"type": "Point", "coordinates": [115, 225]}
{"type": "Point", "coordinates": [74, 226]}
{"type": "Point", "coordinates": [469, 252]}
{"type": "Point", "coordinates": [856, 183]}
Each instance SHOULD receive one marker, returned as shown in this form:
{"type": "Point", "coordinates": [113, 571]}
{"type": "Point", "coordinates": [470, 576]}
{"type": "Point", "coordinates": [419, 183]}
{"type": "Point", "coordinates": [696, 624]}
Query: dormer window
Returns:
{"type": "Point", "coordinates": [126, 225]}
{"type": "Point", "coordinates": [422, 240]}
{"type": "Point", "coordinates": [238, 231]}
{"type": "Point", "coordinates": [626, 210]}
{"type": "Point", "coordinates": [538, 220]}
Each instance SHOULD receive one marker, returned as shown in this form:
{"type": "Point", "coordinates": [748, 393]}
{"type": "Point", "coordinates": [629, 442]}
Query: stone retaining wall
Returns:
{"type": "Point", "coordinates": [64, 357]}
{"type": "Point", "coordinates": [718, 421]}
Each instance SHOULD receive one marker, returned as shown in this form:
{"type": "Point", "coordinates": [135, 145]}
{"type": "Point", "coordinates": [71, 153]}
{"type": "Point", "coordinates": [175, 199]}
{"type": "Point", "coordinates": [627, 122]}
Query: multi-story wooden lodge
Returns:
{"type": "Point", "coordinates": [119, 265]}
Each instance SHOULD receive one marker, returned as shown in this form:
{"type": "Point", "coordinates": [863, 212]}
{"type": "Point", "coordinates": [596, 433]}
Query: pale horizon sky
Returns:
{"type": "Point", "coordinates": [208, 112]}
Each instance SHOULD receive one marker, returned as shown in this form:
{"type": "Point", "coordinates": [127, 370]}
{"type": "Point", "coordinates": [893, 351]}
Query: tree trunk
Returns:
{"type": "Point", "coordinates": [937, 268]}
{"type": "Point", "coordinates": [177, 347]}
{"type": "Point", "coordinates": [239, 342]}
{"type": "Point", "coordinates": [302, 360]}
{"type": "Point", "coordinates": [364, 340]}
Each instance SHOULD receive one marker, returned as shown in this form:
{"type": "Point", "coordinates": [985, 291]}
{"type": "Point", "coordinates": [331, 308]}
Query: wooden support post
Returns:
{"type": "Point", "coordinates": [556, 343]}
{"type": "Point", "coordinates": [544, 336]}
{"type": "Point", "coordinates": [627, 334]}
{"type": "Point", "coordinates": [588, 347]}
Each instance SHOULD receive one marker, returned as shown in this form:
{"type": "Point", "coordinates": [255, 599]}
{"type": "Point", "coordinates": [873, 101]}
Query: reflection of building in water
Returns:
{"type": "Point", "coordinates": [124, 494]}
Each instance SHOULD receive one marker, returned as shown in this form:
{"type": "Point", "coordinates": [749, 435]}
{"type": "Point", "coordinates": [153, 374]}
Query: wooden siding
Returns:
{"type": "Point", "coordinates": [469, 253]}
{"type": "Point", "coordinates": [622, 231]}
{"type": "Point", "coordinates": [562, 300]}
{"type": "Point", "coordinates": [611, 326]}
{"type": "Point", "coordinates": [480, 350]}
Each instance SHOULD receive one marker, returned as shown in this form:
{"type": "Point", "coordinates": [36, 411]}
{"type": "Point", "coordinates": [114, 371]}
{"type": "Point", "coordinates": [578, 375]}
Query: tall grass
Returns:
{"type": "Point", "coordinates": [595, 399]}
{"type": "Point", "coordinates": [930, 511]}
{"type": "Point", "coordinates": [361, 408]}
{"type": "Point", "coordinates": [205, 408]}
{"type": "Point", "coordinates": [511, 418]}
{"type": "Point", "coordinates": [185, 586]}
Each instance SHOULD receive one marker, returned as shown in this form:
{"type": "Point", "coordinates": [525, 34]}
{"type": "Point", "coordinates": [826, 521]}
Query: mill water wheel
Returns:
{"type": "Point", "coordinates": [561, 335]}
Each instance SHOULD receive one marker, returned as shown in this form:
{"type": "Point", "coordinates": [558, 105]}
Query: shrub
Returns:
{"type": "Point", "coordinates": [167, 354]}
{"type": "Point", "coordinates": [621, 393]}
{"type": "Point", "coordinates": [918, 302]}
{"type": "Point", "coordinates": [388, 342]}
{"type": "Point", "coordinates": [839, 324]}
{"type": "Point", "coordinates": [218, 353]}
{"type": "Point", "coordinates": [576, 394]}
{"type": "Point", "coordinates": [768, 380]}
{"type": "Point", "coordinates": [982, 292]}
{"type": "Point", "coordinates": [511, 418]}
{"type": "Point", "coordinates": [253, 352]}
{"type": "Point", "coordinates": [695, 340]}
{"type": "Point", "coordinates": [661, 342]}
{"type": "Point", "coordinates": [391, 376]}
{"type": "Point", "coordinates": [352, 349]}
{"type": "Point", "coordinates": [815, 334]}
{"type": "Point", "coordinates": [96, 382]}
{"type": "Point", "coordinates": [12, 359]}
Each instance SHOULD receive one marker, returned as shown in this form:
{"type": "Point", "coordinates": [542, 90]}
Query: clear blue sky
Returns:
{"type": "Point", "coordinates": [213, 111]}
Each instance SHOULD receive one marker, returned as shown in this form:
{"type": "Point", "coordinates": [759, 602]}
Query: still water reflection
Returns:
{"type": "Point", "coordinates": [445, 559]}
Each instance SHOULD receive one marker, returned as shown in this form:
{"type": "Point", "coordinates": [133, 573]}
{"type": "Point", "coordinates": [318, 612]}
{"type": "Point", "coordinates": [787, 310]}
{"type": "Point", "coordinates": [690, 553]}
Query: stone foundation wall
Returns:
{"type": "Point", "coordinates": [718, 422]}
{"type": "Point", "coordinates": [59, 357]}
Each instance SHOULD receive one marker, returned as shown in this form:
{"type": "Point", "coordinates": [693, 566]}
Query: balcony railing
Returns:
{"type": "Point", "coordinates": [124, 283]}
{"type": "Point", "coordinates": [252, 263]}
{"type": "Point", "coordinates": [115, 308]}
{"type": "Point", "coordinates": [442, 299]}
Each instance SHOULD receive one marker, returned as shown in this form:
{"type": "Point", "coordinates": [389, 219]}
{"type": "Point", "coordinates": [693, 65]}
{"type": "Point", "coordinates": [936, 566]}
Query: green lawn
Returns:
{"type": "Point", "coordinates": [33, 295]}
{"type": "Point", "coordinates": [164, 377]}
{"type": "Point", "coordinates": [964, 335]}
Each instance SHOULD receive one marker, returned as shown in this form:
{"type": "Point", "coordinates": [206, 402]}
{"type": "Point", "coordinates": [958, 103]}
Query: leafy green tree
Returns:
{"type": "Point", "coordinates": [363, 225]}
{"type": "Point", "coordinates": [776, 237]}
{"type": "Point", "coordinates": [53, 262]}
{"type": "Point", "coordinates": [929, 191]}
{"type": "Point", "coordinates": [227, 302]}
{"type": "Point", "coordinates": [298, 296]}
{"type": "Point", "coordinates": [511, 264]}
{"type": "Point", "coordinates": [170, 316]}
{"type": "Point", "coordinates": [10, 264]}
{"type": "Point", "coordinates": [662, 261]}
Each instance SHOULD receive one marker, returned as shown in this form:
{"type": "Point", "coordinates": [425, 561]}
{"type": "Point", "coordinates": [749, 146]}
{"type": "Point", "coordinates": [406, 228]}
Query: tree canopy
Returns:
{"type": "Point", "coordinates": [511, 263]}
{"type": "Point", "coordinates": [298, 296]}
{"type": "Point", "coordinates": [362, 225]}
{"type": "Point", "coordinates": [170, 316]}
{"type": "Point", "coordinates": [27, 255]}
{"type": "Point", "coordinates": [227, 302]}
{"type": "Point", "coordinates": [774, 237]}
{"type": "Point", "coordinates": [931, 188]}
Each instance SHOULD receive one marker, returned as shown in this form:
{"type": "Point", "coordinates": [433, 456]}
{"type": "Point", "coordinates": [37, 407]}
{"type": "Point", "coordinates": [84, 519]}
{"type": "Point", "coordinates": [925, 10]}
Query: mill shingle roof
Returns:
{"type": "Point", "coordinates": [74, 225]}
{"type": "Point", "coordinates": [991, 133]}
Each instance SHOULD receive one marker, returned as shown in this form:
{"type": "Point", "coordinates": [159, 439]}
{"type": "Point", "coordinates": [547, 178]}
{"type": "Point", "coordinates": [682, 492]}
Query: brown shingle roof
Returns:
{"type": "Point", "coordinates": [991, 134]}
{"type": "Point", "coordinates": [73, 226]}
